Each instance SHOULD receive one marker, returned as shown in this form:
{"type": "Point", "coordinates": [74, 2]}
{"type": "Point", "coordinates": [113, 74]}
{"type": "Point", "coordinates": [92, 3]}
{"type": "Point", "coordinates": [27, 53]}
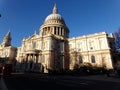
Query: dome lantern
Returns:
{"type": "Point", "coordinates": [55, 11]}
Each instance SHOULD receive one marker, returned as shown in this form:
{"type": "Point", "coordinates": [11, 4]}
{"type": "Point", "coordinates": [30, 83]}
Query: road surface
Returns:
{"type": "Point", "coordinates": [44, 82]}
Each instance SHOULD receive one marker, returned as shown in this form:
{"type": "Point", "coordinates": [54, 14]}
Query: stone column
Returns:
{"type": "Point", "coordinates": [43, 31]}
{"type": "Point", "coordinates": [62, 31]}
{"type": "Point", "coordinates": [33, 58]}
{"type": "Point", "coordinates": [28, 57]}
{"type": "Point", "coordinates": [26, 61]}
{"type": "Point", "coordinates": [56, 30]}
{"type": "Point", "coordinates": [28, 64]}
{"type": "Point", "coordinates": [63, 56]}
{"type": "Point", "coordinates": [39, 58]}
{"type": "Point", "coordinates": [53, 31]}
{"type": "Point", "coordinates": [25, 57]}
{"type": "Point", "coordinates": [48, 30]}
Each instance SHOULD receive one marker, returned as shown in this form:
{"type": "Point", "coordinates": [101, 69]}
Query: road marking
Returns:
{"type": "Point", "coordinates": [2, 84]}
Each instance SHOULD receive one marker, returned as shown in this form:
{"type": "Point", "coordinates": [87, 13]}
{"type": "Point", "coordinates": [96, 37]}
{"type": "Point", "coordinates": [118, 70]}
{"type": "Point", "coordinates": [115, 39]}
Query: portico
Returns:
{"type": "Point", "coordinates": [32, 58]}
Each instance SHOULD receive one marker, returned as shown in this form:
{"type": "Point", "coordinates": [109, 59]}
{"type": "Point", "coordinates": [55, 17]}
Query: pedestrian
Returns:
{"type": "Point", "coordinates": [3, 70]}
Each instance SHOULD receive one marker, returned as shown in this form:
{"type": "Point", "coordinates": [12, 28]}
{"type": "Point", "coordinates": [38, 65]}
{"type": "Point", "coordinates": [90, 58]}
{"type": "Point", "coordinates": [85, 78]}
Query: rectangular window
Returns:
{"type": "Point", "coordinates": [34, 45]}
{"type": "Point", "coordinates": [93, 59]}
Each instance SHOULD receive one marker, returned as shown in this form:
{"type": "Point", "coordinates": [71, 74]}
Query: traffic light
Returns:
{"type": "Point", "coordinates": [0, 15]}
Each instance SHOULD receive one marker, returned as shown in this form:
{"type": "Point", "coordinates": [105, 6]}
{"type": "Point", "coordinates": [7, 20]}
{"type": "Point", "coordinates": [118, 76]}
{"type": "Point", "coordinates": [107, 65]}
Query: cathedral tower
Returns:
{"type": "Point", "coordinates": [7, 40]}
{"type": "Point", "coordinates": [54, 34]}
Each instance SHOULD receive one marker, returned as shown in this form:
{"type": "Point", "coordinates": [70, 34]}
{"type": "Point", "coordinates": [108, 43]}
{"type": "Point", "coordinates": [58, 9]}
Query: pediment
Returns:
{"type": "Point", "coordinates": [34, 36]}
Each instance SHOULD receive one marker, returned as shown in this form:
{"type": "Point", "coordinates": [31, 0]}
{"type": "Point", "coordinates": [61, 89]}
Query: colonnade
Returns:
{"type": "Point", "coordinates": [59, 31]}
{"type": "Point", "coordinates": [54, 30]}
{"type": "Point", "coordinates": [32, 57]}
{"type": "Point", "coordinates": [32, 62]}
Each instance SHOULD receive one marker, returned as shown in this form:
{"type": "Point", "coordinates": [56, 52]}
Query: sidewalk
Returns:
{"type": "Point", "coordinates": [112, 78]}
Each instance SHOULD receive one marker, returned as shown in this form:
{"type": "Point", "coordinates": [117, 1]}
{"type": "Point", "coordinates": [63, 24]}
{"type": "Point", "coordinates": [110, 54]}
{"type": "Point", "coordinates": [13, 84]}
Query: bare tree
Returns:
{"type": "Point", "coordinates": [117, 39]}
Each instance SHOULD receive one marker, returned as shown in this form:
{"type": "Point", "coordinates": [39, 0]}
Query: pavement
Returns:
{"type": "Point", "coordinates": [112, 78]}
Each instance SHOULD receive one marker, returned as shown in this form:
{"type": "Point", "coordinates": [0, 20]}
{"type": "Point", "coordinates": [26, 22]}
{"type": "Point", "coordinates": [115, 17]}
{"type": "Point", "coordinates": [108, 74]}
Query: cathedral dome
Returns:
{"type": "Point", "coordinates": [54, 16]}
{"type": "Point", "coordinates": [54, 24]}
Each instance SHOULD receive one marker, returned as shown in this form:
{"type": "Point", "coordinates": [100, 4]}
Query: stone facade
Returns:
{"type": "Point", "coordinates": [52, 49]}
{"type": "Point", "coordinates": [94, 49]}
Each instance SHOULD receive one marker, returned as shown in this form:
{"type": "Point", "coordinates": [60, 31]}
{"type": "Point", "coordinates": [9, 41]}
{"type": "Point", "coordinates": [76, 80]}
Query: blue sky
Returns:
{"type": "Point", "coordinates": [23, 17]}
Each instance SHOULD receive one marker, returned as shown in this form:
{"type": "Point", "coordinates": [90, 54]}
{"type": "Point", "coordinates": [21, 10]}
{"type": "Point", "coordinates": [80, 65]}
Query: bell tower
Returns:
{"type": "Point", "coordinates": [7, 40]}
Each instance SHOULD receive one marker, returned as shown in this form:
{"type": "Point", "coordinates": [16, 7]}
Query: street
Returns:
{"type": "Point", "coordinates": [59, 82]}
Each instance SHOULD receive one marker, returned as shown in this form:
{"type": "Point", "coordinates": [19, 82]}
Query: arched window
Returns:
{"type": "Point", "coordinates": [93, 59]}
{"type": "Point", "coordinates": [80, 60]}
